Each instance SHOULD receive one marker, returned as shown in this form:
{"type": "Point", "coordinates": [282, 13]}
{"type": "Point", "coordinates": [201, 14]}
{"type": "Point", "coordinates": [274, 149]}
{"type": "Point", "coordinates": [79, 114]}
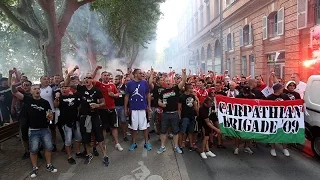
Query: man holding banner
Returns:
{"type": "Point", "coordinates": [275, 120]}
{"type": "Point", "coordinates": [278, 95]}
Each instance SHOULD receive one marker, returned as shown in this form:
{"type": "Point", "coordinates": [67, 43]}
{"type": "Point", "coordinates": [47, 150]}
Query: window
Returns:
{"type": "Point", "coordinates": [244, 66]}
{"type": "Point", "coordinates": [245, 35]}
{"type": "Point", "coordinates": [228, 64]}
{"type": "Point", "coordinates": [233, 67]}
{"type": "Point", "coordinates": [230, 45]}
{"type": "Point", "coordinates": [316, 11]}
{"type": "Point", "coordinates": [201, 16]}
{"type": "Point", "coordinates": [252, 64]}
{"type": "Point", "coordinates": [228, 2]}
{"type": "Point", "coordinates": [302, 13]}
{"type": "Point", "coordinates": [196, 19]}
{"type": "Point", "coordinates": [273, 25]}
{"type": "Point", "coordinates": [208, 11]}
{"type": "Point", "coordinates": [216, 10]}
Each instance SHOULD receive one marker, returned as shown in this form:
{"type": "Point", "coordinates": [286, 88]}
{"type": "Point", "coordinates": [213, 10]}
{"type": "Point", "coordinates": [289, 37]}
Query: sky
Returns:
{"type": "Point", "coordinates": [168, 24]}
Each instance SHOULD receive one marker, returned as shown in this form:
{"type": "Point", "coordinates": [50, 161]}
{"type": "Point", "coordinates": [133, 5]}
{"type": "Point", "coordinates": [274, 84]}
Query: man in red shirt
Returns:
{"type": "Point", "coordinates": [260, 84]}
{"type": "Point", "coordinates": [108, 113]}
{"type": "Point", "coordinates": [202, 93]}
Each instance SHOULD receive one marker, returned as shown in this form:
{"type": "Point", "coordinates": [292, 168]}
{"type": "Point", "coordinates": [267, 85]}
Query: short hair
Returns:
{"type": "Point", "coordinates": [44, 76]}
{"type": "Point", "coordinates": [119, 76]}
{"type": "Point", "coordinates": [56, 75]}
{"type": "Point", "coordinates": [188, 86]}
{"type": "Point", "coordinates": [104, 72]}
{"type": "Point", "coordinates": [135, 71]}
{"type": "Point", "coordinates": [27, 81]}
{"type": "Point", "coordinates": [243, 77]}
{"type": "Point", "coordinates": [201, 80]}
{"type": "Point", "coordinates": [219, 82]}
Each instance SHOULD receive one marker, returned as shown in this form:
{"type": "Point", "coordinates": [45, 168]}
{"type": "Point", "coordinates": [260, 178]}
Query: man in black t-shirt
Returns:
{"type": "Point", "coordinates": [207, 126]}
{"type": "Point", "coordinates": [245, 94]}
{"type": "Point", "coordinates": [38, 114]}
{"type": "Point", "coordinates": [278, 95]}
{"type": "Point", "coordinates": [156, 89]}
{"type": "Point", "coordinates": [168, 100]}
{"type": "Point", "coordinates": [119, 102]}
{"type": "Point", "coordinates": [218, 89]}
{"type": "Point", "coordinates": [91, 100]}
{"type": "Point", "coordinates": [68, 105]}
{"type": "Point", "coordinates": [252, 83]}
{"type": "Point", "coordinates": [187, 107]}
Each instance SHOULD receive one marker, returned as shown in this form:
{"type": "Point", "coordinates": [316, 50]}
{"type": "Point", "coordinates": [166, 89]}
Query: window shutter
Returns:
{"type": "Point", "coordinates": [232, 41]}
{"type": "Point", "coordinates": [250, 34]}
{"type": "Point", "coordinates": [280, 26]}
{"type": "Point", "coordinates": [241, 37]}
{"type": "Point", "coordinates": [264, 27]}
{"type": "Point", "coordinates": [225, 43]}
{"type": "Point", "coordinates": [302, 14]}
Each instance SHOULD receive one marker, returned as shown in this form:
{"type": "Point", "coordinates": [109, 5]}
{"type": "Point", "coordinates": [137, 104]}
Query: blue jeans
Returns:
{"type": "Point", "coordinates": [38, 136]}
{"type": "Point", "coordinates": [120, 114]}
{"type": "Point", "coordinates": [68, 134]}
{"type": "Point", "coordinates": [187, 125]}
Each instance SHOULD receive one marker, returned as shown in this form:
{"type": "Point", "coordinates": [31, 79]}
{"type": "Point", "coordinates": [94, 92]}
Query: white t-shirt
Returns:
{"type": "Point", "coordinates": [301, 88]}
{"type": "Point", "coordinates": [47, 94]}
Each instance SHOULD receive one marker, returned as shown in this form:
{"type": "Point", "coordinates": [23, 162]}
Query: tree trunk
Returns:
{"type": "Point", "coordinates": [51, 55]}
{"type": "Point", "coordinates": [135, 52]}
{"type": "Point", "coordinates": [92, 58]}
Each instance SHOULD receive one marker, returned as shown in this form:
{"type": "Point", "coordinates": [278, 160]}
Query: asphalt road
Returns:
{"type": "Point", "coordinates": [171, 166]}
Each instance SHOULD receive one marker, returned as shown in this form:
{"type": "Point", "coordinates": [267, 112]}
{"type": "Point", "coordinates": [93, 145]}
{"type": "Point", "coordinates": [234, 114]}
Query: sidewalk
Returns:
{"type": "Point", "coordinates": [12, 166]}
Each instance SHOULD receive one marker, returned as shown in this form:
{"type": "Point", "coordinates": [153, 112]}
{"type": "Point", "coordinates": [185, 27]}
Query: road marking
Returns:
{"type": "Point", "coordinates": [181, 165]}
{"type": "Point", "coordinates": [68, 175]}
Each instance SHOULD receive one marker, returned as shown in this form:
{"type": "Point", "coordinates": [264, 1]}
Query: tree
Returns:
{"type": "Point", "coordinates": [46, 21]}
{"type": "Point", "coordinates": [131, 24]}
{"type": "Point", "coordinates": [16, 52]}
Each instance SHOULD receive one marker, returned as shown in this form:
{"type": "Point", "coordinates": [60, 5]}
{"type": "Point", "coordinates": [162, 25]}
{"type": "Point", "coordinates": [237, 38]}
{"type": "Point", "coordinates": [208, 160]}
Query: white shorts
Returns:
{"type": "Point", "coordinates": [139, 120]}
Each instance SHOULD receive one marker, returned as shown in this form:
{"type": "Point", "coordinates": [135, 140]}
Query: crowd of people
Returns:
{"type": "Point", "coordinates": [85, 111]}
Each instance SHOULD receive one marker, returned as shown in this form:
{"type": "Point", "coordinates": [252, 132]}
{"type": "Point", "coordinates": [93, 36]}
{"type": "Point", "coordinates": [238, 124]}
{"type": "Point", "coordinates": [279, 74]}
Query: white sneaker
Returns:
{"type": "Point", "coordinates": [248, 150]}
{"type": "Point", "coordinates": [203, 155]}
{"type": "Point", "coordinates": [236, 151]}
{"type": "Point", "coordinates": [273, 152]}
{"type": "Point", "coordinates": [118, 146]}
{"type": "Point", "coordinates": [209, 153]}
{"type": "Point", "coordinates": [286, 152]}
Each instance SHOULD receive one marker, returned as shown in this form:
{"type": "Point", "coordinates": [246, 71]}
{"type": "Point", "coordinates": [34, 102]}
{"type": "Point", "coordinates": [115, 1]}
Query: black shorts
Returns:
{"type": "Point", "coordinates": [214, 118]}
{"type": "Point", "coordinates": [24, 133]}
{"type": "Point", "coordinates": [207, 130]}
{"type": "Point", "coordinates": [97, 129]}
{"type": "Point", "coordinates": [109, 118]}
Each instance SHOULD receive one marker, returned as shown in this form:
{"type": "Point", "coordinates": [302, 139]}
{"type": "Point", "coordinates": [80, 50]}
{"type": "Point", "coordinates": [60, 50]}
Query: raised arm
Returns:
{"type": "Point", "coordinates": [67, 80]}
{"type": "Point", "coordinates": [184, 79]}
{"type": "Point", "coordinates": [15, 92]}
{"type": "Point", "coordinates": [94, 73]}
{"type": "Point", "coordinates": [151, 85]}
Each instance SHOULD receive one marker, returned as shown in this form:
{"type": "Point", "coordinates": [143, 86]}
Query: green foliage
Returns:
{"type": "Point", "coordinates": [132, 22]}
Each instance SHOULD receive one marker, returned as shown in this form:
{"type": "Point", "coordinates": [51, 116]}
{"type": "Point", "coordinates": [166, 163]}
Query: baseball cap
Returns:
{"type": "Point", "coordinates": [277, 87]}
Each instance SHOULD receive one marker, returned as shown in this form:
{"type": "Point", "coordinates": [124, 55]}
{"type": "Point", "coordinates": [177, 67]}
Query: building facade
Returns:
{"type": "Point", "coordinates": [249, 37]}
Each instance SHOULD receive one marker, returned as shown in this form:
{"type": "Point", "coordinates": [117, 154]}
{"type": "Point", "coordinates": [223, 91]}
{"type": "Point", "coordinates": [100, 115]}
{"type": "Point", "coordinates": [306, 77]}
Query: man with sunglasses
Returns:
{"type": "Point", "coordinates": [108, 113]}
{"type": "Point", "coordinates": [91, 100]}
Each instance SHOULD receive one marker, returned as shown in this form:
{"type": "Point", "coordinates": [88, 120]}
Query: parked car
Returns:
{"type": "Point", "coordinates": [312, 113]}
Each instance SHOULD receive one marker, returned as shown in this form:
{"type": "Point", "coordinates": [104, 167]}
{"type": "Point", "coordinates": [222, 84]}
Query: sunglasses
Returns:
{"type": "Point", "coordinates": [27, 85]}
{"type": "Point", "coordinates": [88, 78]}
